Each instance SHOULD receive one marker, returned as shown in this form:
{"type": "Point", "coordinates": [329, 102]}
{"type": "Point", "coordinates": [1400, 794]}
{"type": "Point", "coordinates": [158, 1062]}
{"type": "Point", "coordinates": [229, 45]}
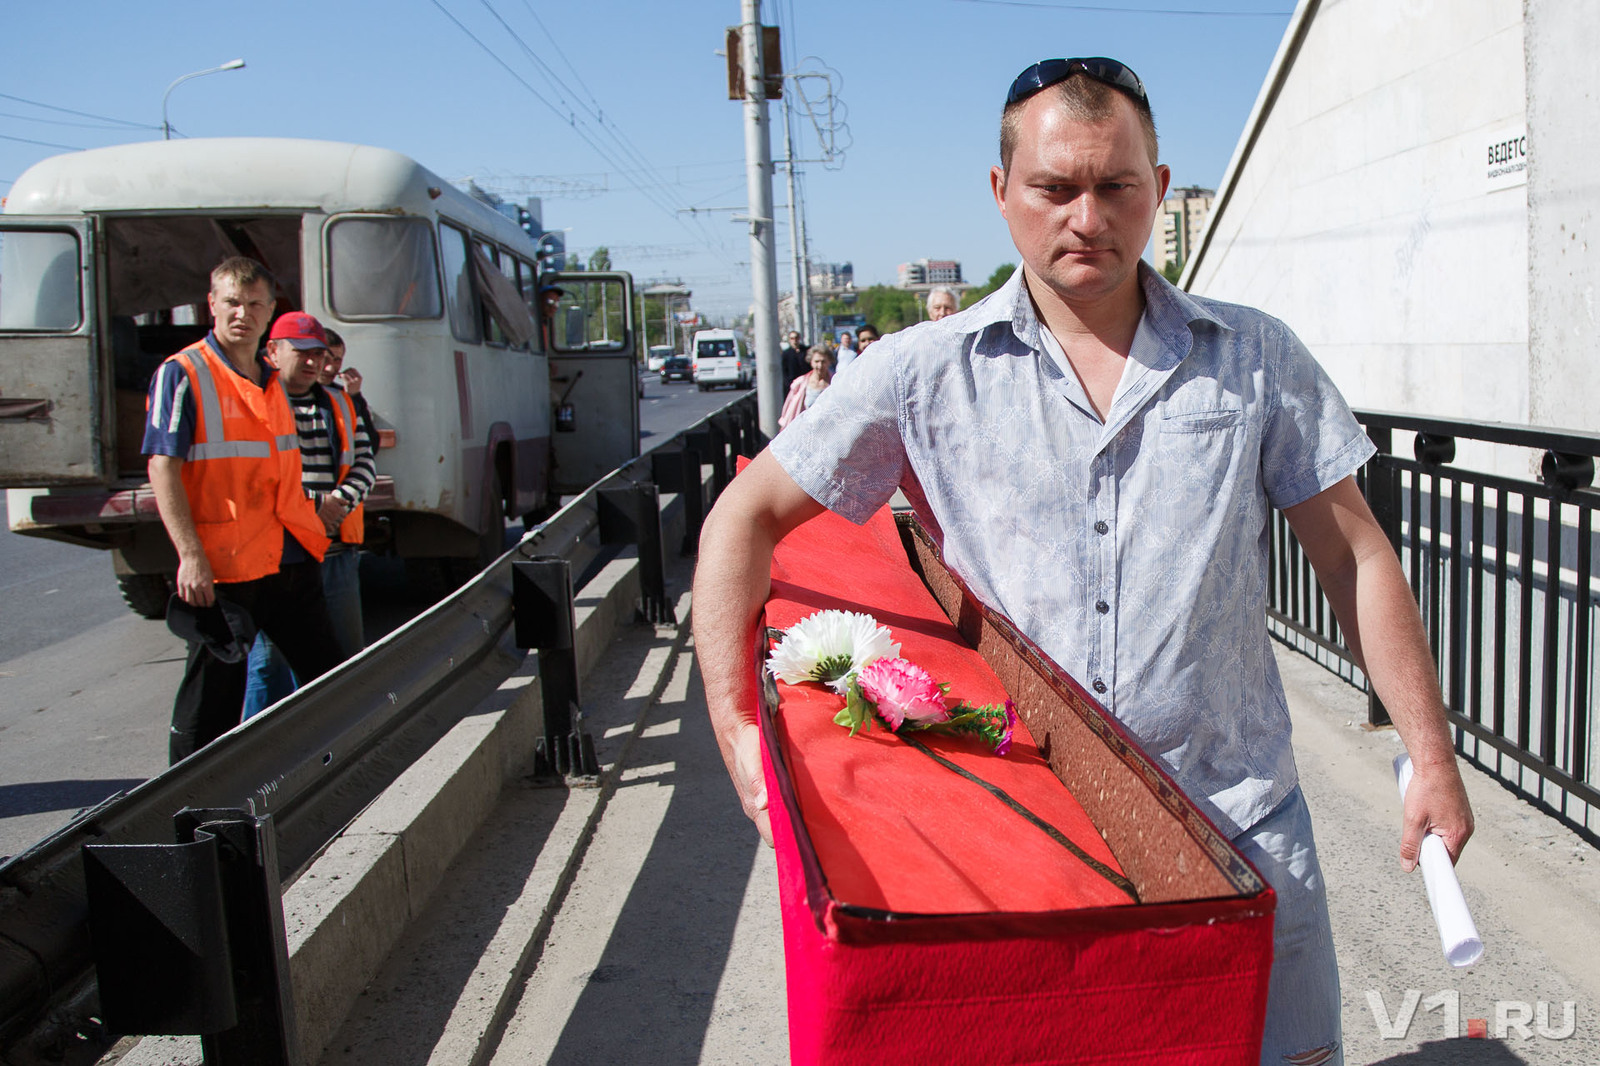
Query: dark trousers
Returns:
{"type": "Point", "coordinates": [286, 606]}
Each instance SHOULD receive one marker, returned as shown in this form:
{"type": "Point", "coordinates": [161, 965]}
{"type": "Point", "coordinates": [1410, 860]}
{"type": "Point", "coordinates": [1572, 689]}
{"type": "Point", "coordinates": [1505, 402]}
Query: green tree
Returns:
{"type": "Point", "coordinates": [601, 259]}
{"type": "Point", "coordinates": [1173, 270]}
{"type": "Point", "coordinates": [1001, 275]}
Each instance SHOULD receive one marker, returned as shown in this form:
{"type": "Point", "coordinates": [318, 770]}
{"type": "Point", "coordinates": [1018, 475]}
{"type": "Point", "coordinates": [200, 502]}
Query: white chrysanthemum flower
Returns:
{"type": "Point", "coordinates": [830, 646]}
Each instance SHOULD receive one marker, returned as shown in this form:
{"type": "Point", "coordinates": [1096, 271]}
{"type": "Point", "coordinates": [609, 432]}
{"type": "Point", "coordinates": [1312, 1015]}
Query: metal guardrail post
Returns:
{"type": "Point", "coordinates": [631, 514]}
{"type": "Point", "coordinates": [1383, 497]}
{"type": "Point", "coordinates": [189, 938]}
{"type": "Point", "coordinates": [541, 597]}
{"type": "Point", "coordinates": [678, 470]}
{"type": "Point", "coordinates": [712, 444]}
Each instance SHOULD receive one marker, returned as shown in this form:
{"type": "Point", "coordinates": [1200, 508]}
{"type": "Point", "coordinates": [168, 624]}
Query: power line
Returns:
{"type": "Point", "coordinates": [629, 150]}
{"type": "Point", "coordinates": [65, 122]}
{"type": "Point", "coordinates": [80, 114]}
{"type": "Point", "coordinates": [570, 119]}
{"type": "Point", "coordinates": [45, 144]}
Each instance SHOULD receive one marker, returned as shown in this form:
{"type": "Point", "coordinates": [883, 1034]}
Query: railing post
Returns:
{"type": "Point", "coordinates": [189, 938]}
{"type": "Point", "coordinates": [631, 514]}
{"type": "Point", "coordinates": [712, 445]}
{"type": "Point", "coordinates": [541, 600]}
{"type": "Point", "coordinates": [1383, 497]}
{"type": "Point", "coordinates": [679, 471]}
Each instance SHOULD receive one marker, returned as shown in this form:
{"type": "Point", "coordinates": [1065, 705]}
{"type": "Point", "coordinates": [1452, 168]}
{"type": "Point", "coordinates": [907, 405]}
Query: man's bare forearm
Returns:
{"type": "Point", "coordinates": [195, 583]}
{"type": "Point", "coordinates": [1367, 589]}
{"type": "Point", "coordinates": [731, 582]}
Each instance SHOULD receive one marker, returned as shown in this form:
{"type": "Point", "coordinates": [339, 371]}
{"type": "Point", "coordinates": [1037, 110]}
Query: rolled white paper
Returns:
{"type": "Point", "coordinates": [1457, 933]}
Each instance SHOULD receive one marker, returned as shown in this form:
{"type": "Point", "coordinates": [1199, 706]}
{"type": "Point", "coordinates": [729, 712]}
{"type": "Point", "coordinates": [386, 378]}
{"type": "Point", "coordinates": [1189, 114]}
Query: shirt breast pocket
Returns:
{"type": "Point", "coordinates": [1209, 421]}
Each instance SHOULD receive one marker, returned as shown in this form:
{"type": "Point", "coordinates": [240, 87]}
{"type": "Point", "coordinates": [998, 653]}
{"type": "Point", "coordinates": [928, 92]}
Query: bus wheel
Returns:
{"type": "Point", "coordinates": [145, 594]}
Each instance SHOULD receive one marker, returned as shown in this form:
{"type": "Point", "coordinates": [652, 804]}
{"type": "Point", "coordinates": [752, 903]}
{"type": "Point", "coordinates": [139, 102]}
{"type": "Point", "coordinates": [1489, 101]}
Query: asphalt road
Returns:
{"type": "Point", "coordinates": [86, 686]}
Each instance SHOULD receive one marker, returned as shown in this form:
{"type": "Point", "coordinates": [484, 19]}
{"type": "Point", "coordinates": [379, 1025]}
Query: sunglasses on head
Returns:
{"type": "Point", "coordinates": [1048, 72]}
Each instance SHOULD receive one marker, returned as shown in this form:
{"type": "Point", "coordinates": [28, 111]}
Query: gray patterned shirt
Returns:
{"type": "Point", "coordinates": [1134, 550]}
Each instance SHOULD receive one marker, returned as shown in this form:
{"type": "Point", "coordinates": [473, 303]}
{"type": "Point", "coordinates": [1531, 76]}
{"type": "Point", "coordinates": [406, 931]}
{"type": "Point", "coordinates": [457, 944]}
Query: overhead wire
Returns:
{"type": "Point", "coordinates": [80, 114]}
{"type": "Point", "coordinates": [45, 144]}
{"type": "Point", "coordinates": [655, 189]}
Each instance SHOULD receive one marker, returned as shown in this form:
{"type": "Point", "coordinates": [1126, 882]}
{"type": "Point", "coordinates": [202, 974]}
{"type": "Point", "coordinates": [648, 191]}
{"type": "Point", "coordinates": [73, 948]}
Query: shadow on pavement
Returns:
{"type": "Point", "coordinates": [41, 797]}
{"type": "Point", "coordinates": [650, 998]}
{"type": "Point", "coordinates": [1460, 1052]}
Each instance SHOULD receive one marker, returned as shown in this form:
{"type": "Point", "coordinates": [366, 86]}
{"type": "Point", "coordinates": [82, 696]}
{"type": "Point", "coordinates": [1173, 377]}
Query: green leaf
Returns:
{"type": "Point", "coordinates": [859, 708]}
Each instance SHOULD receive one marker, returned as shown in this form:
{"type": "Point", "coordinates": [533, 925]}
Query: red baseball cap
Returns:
{"type": "Point", "coordinates": [299, 329]}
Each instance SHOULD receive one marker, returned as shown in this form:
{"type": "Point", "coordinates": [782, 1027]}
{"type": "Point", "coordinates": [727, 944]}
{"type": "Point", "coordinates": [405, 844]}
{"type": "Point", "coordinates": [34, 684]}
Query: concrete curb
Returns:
{"type": "Point", "coordinates": [348, 911]}
{"type": "Point", "coordinates": [350, 908]}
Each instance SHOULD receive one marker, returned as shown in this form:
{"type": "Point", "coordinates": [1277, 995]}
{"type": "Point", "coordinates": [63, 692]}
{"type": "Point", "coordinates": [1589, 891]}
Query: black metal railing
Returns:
{"type": "Point", "coordinates": [1502, 570]}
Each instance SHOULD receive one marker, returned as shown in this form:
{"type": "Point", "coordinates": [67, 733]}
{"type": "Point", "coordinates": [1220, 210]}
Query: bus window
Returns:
{"type": "Point", "coordinates": [459, 292]}
{"type": "Point", "coordinates": [491, 327]}
{"type": "Point", "coordinates": [527, 288]}
{"type": "Point", "coordinates": [593, 316]}
{"type": "Point", "coordinates": [40, 291]}
{"type": "Point", "coordinates": [382, 267]}
{"type": "Point", "coordinates": [508, 269]}
{"type": "Point", "coordinates": [509, 322]}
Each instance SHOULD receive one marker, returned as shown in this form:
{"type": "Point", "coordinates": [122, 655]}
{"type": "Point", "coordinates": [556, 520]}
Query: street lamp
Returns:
{"type": "Point", "coordinates": [166, 127]}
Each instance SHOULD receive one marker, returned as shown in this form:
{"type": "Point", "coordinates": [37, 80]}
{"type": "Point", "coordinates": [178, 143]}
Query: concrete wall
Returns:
{"type": "Point", "coordinates": [1563, 77]}
{"type": "Point", "coordinates": [1359, 210]}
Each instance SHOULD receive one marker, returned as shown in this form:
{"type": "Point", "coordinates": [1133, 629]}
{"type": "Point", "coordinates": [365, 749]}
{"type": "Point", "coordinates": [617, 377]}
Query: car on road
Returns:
{"type": "Point", "coordinates": [721, 358]}
{"type": "Point", "coordinates": [677, 368]}
{"type": "Point", "coordinates": [659, 354]}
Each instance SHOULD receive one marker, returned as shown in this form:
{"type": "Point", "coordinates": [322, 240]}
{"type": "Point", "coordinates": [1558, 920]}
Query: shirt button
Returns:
{"type": "Point", "coordinates": [1101, 528]}
{"type": "Point", "coordinates": [1099, 686]}
{"type": "Point", "coordinates": [1102, 606]}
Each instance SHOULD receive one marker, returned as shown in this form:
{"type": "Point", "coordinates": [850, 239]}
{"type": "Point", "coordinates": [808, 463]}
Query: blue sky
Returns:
{"type": "Point", "coordinates": [636, 124]}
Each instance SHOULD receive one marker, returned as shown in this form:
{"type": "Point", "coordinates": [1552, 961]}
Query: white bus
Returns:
{"type": "Point", "coordinates": [484, 408]}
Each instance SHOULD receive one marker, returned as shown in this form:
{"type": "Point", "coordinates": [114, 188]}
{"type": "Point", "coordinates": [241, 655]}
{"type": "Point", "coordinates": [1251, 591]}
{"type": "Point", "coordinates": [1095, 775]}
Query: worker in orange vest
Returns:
{"type": "Point", "coordinates": [337, 470]}
{"type": "Point", "coordinates": [225, 469]}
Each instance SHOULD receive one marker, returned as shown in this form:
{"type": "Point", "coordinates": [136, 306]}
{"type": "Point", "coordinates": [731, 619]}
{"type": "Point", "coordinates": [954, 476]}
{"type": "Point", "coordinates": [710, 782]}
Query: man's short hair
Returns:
{"type": "Point", "coordinates": [243, 272]}
{"type": "Point", "coordinates": [1084, 99]}
{"type": "Point", "coordinates": [868, 328]}
{"type": "Point", "coordinates": [334, 340]}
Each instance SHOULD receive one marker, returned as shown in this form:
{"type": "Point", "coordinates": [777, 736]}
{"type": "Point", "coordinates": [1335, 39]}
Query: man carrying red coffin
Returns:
{"type": "Point", "coordinates": [1097, 452]}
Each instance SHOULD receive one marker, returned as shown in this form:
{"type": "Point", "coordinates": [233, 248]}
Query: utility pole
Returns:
{"type": "Point", "coordinates": [763, 251]}
{"type": "Point", "coordinates": [797, 235]}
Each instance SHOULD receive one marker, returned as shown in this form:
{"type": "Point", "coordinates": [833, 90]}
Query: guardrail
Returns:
{"type": "Point", "coordinates": [261, 802]}
{"type": "Point", "coordinates": [1503, 571]}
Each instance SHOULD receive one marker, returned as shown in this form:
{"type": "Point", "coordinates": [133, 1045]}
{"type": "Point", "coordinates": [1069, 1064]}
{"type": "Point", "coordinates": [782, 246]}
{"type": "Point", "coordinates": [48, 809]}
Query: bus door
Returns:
{"type": "Point", "coordinates": [55, 399]}
{"type": "Point", "coordinates": [594, 378]}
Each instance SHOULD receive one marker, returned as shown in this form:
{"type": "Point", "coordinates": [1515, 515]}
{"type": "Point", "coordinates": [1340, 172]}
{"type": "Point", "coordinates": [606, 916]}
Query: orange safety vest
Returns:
{"type": "Point", "coordinates": [242, 473]}
{"type": "Point", "coordinates": [353, 529]}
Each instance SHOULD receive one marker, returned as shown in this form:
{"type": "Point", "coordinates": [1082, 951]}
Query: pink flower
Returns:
{"type": "Point", "coordinates": [1011, 723]}
{"type": "Point", "coordinates": [902, 690]}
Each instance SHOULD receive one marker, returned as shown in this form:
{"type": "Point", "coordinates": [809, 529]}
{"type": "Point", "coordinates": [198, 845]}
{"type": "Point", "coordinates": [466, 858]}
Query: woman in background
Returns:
{"type": "Point", "coordinates": [807, 387]}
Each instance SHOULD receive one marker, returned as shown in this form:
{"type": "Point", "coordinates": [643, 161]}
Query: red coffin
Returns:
{"type": "Point", "coordinates": [1064, 903]}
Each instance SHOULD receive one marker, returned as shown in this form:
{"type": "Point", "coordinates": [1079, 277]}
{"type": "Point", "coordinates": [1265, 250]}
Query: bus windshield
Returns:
{"type": "Point", "coordinates": [715, 350]}
{"type": "Point", "coordinates": [383, 267]}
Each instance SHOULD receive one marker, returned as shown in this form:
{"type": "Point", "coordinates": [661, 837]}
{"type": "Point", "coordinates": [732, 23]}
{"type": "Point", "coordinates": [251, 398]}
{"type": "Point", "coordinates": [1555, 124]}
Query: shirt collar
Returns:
{"type": "Point", "coordinates": [1169, 312]}
{"type": "Point", "coordinates": [267, 369]}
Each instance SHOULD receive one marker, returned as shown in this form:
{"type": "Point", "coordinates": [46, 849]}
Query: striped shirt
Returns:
{"type": "Point", "coordinates": [319, 460]}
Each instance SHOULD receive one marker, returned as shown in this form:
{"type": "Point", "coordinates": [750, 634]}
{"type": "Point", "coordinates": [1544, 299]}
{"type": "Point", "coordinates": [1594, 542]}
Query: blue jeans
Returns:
{"type": "Point", "coordinates": [1303, 997]}
{"type": "Point", "coordinates": [270, 679]}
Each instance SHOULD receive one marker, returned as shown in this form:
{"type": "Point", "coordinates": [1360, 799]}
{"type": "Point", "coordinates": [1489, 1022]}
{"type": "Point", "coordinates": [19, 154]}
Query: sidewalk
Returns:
{"type": "Point", "coordinates": [1532, 885]}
